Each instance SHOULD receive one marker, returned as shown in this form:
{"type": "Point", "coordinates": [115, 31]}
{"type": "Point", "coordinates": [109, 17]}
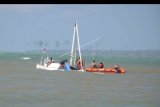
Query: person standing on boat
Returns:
{"type": "Point", "coordinates": [78, 62]}
{"type": "Point", "coordinates": [50, 61]}
{"type": "Point", "coordinates": [93, 65]}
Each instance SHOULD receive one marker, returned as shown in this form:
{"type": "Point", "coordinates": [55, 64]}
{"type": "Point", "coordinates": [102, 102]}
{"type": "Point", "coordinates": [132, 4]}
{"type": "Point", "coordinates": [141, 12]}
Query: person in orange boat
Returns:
{"type": "Point", "coordinates": [117, 68]}
{"type": "Point", "coordinates": [100, 65]}
{"type": "Point", "coordinates": [93, 65]}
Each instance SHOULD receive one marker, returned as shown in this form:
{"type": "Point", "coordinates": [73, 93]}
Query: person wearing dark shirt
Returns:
{"type": "Point", "coordinates": [100, 65]}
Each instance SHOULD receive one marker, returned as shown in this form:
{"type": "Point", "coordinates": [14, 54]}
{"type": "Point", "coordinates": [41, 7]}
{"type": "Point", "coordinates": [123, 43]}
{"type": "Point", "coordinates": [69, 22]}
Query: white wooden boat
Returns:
{"type": "Point", "coordinates": [43, 64]}
{"type": "Point", "coordinates": [52, 66]}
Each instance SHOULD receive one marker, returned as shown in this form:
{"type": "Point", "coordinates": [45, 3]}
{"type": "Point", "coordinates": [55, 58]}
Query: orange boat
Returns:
{"type": "Point", "coordinates": [105, 70]}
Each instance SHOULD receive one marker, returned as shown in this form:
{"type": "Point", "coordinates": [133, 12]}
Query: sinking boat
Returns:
{"type": "Point", "coordinates": [44, 63]}
{"type": "Point", "coordinates": [52, 66]}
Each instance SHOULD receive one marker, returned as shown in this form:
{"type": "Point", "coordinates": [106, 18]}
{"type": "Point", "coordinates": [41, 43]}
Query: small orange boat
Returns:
{"type": "Point", "coordinates": [105, 70]}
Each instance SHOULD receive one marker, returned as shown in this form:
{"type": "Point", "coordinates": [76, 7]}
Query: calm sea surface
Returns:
{"type": "Point", "coordinates": [22, 85]}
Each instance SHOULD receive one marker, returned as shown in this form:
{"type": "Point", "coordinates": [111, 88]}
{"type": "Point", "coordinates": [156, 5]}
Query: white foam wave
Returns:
{"type": "Point", "coordinates": [25, 58]}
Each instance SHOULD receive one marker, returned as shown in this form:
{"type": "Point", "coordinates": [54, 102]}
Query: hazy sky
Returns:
{"type": "Point", "coordinates": [37, 26]}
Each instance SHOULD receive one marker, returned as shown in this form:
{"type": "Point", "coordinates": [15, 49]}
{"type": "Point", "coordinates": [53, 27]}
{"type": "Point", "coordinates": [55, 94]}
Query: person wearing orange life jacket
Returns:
{"type": "Point", "coordinates": [78, 62]}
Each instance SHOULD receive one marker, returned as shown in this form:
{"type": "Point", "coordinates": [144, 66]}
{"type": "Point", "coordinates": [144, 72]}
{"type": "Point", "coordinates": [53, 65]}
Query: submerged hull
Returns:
{"type": "Point", "coordinates": [52, 66]}
{"type": "Point", "coordinates": [104, 70]}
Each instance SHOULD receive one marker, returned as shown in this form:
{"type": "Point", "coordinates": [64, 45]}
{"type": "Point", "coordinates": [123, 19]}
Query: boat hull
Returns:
{"type": "Point", "coordinates": [104, 70]}
{"type": "Point", "coordinates": [52, 66]}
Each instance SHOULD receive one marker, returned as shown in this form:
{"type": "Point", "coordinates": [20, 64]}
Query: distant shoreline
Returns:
{"type": "Point", "coordinates": [96, 52]}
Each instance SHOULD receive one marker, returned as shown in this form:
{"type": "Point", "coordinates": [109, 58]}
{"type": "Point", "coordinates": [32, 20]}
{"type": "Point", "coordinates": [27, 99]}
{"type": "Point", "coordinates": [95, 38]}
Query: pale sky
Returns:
{"type": "Point", "coordinates": [26, 27]}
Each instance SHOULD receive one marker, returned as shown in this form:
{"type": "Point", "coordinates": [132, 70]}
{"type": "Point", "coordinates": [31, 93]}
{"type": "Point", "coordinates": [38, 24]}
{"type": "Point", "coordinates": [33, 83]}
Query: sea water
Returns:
{"type": "Point", "coordinates": [22, 85]}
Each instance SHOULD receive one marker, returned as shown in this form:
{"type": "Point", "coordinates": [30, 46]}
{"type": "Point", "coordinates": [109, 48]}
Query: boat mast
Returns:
{"type": "Point", "coordinates": [72, 50]}
{"type": "Point", "coordinates": [79, 48]}
{"type": "Point", "coordinates": [76, 35]}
